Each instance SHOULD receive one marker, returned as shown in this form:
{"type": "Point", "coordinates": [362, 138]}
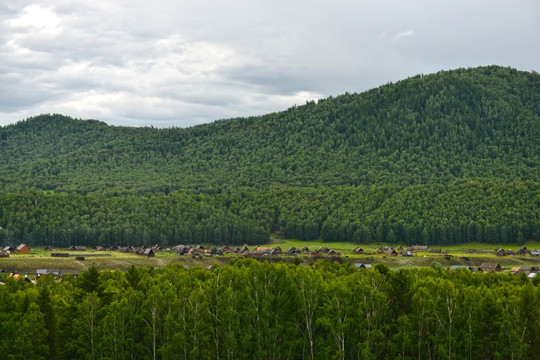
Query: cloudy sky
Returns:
{"type": "Point", "coordinates": [185, 62]}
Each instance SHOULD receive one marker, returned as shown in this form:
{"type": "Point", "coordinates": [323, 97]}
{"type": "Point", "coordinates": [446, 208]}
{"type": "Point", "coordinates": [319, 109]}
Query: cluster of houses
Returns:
{"type": "Point", "coordinates": [148, 251]}
{"type": "Point", "coordinates": [530, 271]}
{"type": "Point", "coordinates": [257, 251]}
{"type": "Point", "coordinates": [391, 251]}
{"type": "Point", "coordinates": [21, 249]}
{"type": "Point", "coordinates": [56, 273]}
{"type": "Point", "coordinates": [522, 251]}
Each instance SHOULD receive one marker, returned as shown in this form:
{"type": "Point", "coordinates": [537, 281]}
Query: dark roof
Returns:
{"type": "Point", "coordinates": [455, 267]}
{"type": "Point", "coordinates": [490, 266]}
{"type": "Point", "coordinates": [363, 266]}
{"type": "Point", "coordinates": [418, 248]}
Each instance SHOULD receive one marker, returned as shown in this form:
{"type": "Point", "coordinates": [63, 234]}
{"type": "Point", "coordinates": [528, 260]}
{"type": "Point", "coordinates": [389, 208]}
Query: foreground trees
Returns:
{"type": "Point", "coordinates": [249, 310]}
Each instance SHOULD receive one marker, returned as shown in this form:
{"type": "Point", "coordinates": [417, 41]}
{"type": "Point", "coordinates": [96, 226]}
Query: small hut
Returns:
{"type": "Point", "coordinates": [22, 249]}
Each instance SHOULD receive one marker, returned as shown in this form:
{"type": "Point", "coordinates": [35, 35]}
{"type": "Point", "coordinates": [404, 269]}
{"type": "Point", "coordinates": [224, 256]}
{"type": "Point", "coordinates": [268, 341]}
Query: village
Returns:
{"type": "Point", "coordinates": [359, 257]}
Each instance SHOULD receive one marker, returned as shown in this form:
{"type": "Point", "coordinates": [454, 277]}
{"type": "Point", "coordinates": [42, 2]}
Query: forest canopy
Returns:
{"type": "Point", "coordinates": [251, 310]}
{"type": "Point", "coordinates": [443, 158]}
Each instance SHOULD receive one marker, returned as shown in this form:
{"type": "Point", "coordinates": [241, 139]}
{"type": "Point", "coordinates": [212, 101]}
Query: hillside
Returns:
{"type": "Point", "coordinates": [462, 124]}
{"type": "Point", "coordinates": [388, 164]}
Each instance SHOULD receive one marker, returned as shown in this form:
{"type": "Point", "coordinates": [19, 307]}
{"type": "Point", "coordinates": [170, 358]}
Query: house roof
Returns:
{"type": "Point", "coordinates": [20, 247]}
{"type": "Point", "coordinates": [490, 266]}
{"type": "Point", "coordinates": [363, 266]}
{"type": "Point", "coordinates": [455, 267]}
{"type": "Point", "coordinates": [418, 248]}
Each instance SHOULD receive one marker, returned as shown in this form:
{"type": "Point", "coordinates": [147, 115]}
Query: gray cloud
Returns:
{"type": "Point", "coordinates": [180, 63]}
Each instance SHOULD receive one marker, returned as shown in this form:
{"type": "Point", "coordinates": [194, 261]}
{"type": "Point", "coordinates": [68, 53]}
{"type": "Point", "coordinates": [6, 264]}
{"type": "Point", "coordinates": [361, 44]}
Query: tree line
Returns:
{"type": "Point", "coordinates": [461, 212]}
{"type": "Point", "coordinates": [251, 310]}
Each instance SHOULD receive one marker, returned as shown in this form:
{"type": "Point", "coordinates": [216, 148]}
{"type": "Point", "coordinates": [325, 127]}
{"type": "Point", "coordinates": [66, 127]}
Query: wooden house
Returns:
{"type": "Point", "coordinates": [292, 251]}
{"type": "Point", "coordinates": [149, 252]}
{"type": "Point", "coordinates": [46, 272]}
{"type": "Point", "coordinates": [490, 267]}
{"type": "Point", "coordinates": [523, 251]}
{"type": "Point", "coordinates": [528, 269]}
{"type": "Point", "coordinates": [323, 249]}
{"type": "Point", "coordinates": [4, 254]}
{"type": "Point", "coordinates": [22, 249]}
{"type": "Point", "coordinates": [71, 272]}
{"type": "Point", "coordinates": [181, 249]}
{"type": "Point", "coordinates": [358, 250]}
{"type": "Point", "coordinates": [391, 252]}
{"type": "Point", "coordinates": [415, 248]}
{"type": "Point", "coordinates": [77, 248]}
{"type": "Point", "coordinates": [363, 266]}
{"type": "Point", "coordinates": [455, 267]}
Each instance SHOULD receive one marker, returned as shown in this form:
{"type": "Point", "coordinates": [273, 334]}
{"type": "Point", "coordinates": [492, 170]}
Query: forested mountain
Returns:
{"type": "Point", "coordinates": [391, 164]}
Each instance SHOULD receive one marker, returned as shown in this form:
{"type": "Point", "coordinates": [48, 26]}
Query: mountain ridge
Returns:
{"type": "Point", "coordinates": [433, 128]}
{"type": "Point", "coordinates": [444, 158]}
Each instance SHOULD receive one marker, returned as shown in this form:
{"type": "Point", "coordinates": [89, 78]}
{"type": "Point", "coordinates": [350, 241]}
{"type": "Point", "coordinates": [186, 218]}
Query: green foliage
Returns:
{"type": "Point", "coordinates": [279, 311]}
{"type": "Point", "coordinates": [440, 159]}
{"type": "Point", "coordinates": [462, 124]}
{"type": "Point", "coordinates": [423, 214]}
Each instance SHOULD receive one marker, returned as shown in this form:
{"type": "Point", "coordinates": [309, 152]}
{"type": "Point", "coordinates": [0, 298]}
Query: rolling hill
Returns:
{"type": "Point", "coordinates": [441, 158]}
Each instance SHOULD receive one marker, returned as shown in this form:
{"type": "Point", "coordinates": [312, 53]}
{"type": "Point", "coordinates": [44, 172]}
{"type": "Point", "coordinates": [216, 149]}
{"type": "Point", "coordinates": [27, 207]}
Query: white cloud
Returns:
{"type": "Point", "coordinates": [36, 18]}
{"type": "Point", "coordinates": [403, 34]}
{"type": "Point", "coordinates": [180, 63]}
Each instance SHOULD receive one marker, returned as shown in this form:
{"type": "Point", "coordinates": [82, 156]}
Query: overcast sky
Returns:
{"type": "Point", "coordinates": [185, 62]}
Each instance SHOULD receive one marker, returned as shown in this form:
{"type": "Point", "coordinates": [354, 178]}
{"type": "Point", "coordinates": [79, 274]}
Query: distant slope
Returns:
{"type": "Point", "coordinates": [462, 124]}
{"type": "Point", "coordinates": [444, 158]}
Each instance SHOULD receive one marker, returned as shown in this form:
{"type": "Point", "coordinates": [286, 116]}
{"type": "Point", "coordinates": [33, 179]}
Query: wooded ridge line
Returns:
{"type": "Point", "coordinates": [444, 158]}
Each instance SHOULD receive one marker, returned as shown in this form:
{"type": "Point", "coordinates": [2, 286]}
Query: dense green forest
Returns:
{"type": "Point", "coordinates": [429, 214]}
{"type": "Point", "coordinates": [249, 310]}
{"type": "Point", "coordinates": [443, 158]}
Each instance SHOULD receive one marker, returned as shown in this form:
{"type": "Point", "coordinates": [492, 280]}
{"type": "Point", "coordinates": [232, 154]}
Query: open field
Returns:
{"type": "Point", "coordinates": [39, 259]}
{"type": "Point", "coordinates": [473, 254]}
